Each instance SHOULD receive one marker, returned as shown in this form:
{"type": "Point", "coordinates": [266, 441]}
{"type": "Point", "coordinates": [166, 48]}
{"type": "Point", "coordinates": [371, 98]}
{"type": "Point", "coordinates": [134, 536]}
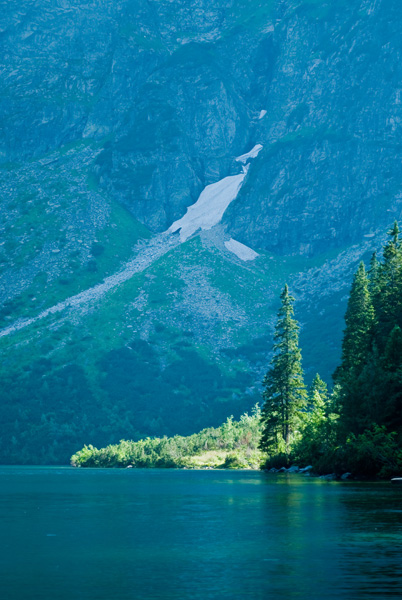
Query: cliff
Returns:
{"type": "Point", "coordinates": [277, 122]}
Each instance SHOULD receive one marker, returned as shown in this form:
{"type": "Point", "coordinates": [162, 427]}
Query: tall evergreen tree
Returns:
{"type": "Point", "coordinates": [284, 390]}
{"type": "Point", "coordinates": [388, 303]}
{"type": "Point", "coordinates": [374, 277]}
{"type": "Point", "coordinates": [359, 319]}
{"type": "Point", "coordinates": [356, 347]}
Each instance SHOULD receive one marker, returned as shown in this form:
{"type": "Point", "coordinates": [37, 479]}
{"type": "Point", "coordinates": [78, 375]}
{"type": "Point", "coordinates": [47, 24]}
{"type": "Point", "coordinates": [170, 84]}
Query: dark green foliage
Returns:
{"type": "Point", "coordinates": [388, 297]}
{"type": "Point", "coordinates": [183, 397]}
{"type": "Point", "coordinates": [284, 392]}
{"type": "Point", "coordinates": [358, 428]}
{"type": "Point", "coordinates": [359, 321]}
{"type": "Point", "coordinates": [47, 412]}
{"type": "Point", "coordinates": [373, 453]}
{"type": "Point", "coordinates": [370, 377]}
{"type": "Point", "coordinates": [374, 283]}
{"type": "Point", "coordinates": [393, 350]}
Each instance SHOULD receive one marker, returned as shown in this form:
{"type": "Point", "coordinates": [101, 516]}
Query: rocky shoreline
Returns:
{"type": "Point", "coordinates": [308, 472]}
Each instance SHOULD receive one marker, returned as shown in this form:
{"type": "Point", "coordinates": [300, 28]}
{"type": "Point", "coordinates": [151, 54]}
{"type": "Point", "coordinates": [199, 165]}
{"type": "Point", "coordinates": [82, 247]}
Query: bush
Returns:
{"type": "Point", "coordinates": [374, 453]}
{"type": "Point", "coordinates": [235, 436]}
{"type": "Point", "coordinates": [234, 461]}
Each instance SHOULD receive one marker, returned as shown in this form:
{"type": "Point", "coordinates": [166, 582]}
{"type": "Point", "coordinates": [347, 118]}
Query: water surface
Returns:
{"type": "Point", "coordinates": [72, 534]}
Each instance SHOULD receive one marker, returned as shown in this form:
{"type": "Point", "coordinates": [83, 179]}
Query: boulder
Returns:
{"type": "Point", "coordinates": [306, 469]}
{"type": "Point", "coordinates": [329, 477]}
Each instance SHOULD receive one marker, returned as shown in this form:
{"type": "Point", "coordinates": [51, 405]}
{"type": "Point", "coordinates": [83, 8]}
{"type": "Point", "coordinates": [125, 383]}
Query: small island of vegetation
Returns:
{"type": "Point", "coordinates": [357, 428]}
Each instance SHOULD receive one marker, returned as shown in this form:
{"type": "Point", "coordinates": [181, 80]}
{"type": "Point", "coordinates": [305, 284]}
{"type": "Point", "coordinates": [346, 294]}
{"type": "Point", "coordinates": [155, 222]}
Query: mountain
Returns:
{"type": "Point", "coordinates": [165, 168]}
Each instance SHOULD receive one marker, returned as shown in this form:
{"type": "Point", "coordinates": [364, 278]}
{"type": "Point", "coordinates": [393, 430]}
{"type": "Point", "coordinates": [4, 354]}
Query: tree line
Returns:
{"type": "Point", "coordinates": [232, 445]}
{"type": "Point", "coordinates": [358, 427]}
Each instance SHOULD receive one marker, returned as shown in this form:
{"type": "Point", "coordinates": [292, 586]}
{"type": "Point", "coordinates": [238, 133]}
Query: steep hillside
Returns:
{"type": "Point", "coordinates": [165, 168]}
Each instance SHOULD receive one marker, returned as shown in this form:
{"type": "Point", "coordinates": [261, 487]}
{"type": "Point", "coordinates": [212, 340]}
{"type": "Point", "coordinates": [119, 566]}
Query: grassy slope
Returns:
{"type": "Point", "coordinates": [62, 225]}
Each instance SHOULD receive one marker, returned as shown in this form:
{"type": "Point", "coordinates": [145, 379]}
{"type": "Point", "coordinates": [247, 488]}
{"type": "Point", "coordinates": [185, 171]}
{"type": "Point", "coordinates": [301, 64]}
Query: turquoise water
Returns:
{"type": "Point", "coordinates": [150, 534]}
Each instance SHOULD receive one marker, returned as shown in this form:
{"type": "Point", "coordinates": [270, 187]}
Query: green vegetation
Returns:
{"type": "Point", "coordinates": [358, 428]}
{"type": "Point", "coordinates": [284, 391]}
{"type": "Point", "coordinates": [232, 445]}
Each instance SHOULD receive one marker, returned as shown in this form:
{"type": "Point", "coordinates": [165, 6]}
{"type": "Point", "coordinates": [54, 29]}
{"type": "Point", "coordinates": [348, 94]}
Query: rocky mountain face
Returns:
{"type": "Point", "coordinates": [115, 118]}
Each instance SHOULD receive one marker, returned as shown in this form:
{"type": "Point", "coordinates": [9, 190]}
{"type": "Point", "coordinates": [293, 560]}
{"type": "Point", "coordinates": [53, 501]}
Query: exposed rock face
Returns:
{"type": "Point", "coordinates": [329, 172]}
{"type": "Point", "coordinates": [119, 114]}
{"type": "Point", "coordinates": [173, 93]}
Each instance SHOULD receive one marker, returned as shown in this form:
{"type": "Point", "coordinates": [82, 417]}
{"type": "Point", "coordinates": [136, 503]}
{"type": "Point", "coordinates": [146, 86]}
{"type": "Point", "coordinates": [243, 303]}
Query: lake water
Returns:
{"type": "Point", "coordinates": [72, 534]}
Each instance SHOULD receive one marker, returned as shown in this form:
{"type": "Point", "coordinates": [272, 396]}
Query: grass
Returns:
{"type": "Point", "coordinates": [221, 459]}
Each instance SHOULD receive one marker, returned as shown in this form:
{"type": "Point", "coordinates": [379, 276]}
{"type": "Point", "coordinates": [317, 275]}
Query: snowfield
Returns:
{"type": "Point", "coordinates": [213, 201]}
{"type": "Point", "coordinates": [252, 154]}
{"type": "Point", "coordinates": [243, 252]}
{"type": "Point", "coordinates": [210, 206]}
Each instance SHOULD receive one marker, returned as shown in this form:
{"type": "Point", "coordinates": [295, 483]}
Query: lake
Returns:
{"type": "Point", "coordinates": [72, 534]}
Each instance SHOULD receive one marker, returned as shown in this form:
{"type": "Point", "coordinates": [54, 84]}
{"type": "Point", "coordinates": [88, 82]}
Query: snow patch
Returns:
{"type": "Point", "coordinates": [262, 114]}
{"type": "Point", "coordinates": [243, 252]}
{"type": "Point", "coordinates": [213, 201]}
{"type": "Point", "coordinates": [210, 206]}
{"type": "Point", "coordinates": [252, 154]}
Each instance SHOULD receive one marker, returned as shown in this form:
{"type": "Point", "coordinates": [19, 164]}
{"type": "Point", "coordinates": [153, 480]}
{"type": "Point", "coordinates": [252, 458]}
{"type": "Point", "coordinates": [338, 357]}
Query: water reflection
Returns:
{"type": "Point", "coordinates": [117, 535]}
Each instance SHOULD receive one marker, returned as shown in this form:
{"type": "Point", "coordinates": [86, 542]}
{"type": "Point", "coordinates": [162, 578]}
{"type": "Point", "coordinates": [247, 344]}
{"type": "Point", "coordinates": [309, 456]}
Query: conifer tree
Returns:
{"type": "Point", "coordinates": [318, 410]}
{"type": "Point", "coordinates": [393, 350]}
{"type": "Point", "coordinates": [367, 394]}
{"type": "Point", "coordinates": [284, 391]}
{"type": "Point", "coordinates": [318, 424]}
{"type": "Point", "coordinates": [388, 302]}
{"type": "Point", "coordinates": [356, 348]}
{"type": "Point", "coordinates": [359, 319]}
{"type": "Point", "coordinates": [318, 394]}
{"type": "Point", "coordinates": [391, 392]}
{"type": "Point", "coordinates": [374, 277]}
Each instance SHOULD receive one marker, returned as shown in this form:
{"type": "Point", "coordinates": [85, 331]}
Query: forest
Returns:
{"type": "Point", "coordinates": [358, 427]}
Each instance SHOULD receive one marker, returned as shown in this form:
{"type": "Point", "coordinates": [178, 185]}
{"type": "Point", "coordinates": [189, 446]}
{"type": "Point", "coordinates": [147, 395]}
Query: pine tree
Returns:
{"type": "Point", "coordinates": [392, 389]}
{"type": "Point", "coordinates": [393, 350]}
{"type": "Point", "coordinates": [374, 277]}
{"type": "Point", "coordinates": [318, 412]}
{"type": "Point", "coordinates": [356, 348]}
{"type": "Point", "coordinates": [318, 394]}
{"type": "Point", "coordinates": [284, 391]}
{"type": "Point", "coordinates": [388, 303]}
{"type": "Point", "coordinates": [318, 424]}
{"type": "Point", "coordinates": [359, 319]}
{"type": "Point", "coordinates": [366, 403]}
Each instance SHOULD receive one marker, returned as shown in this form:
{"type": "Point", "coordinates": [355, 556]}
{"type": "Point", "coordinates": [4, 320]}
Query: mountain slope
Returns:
{"type": "Point", "coordinates": [164, 170]}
